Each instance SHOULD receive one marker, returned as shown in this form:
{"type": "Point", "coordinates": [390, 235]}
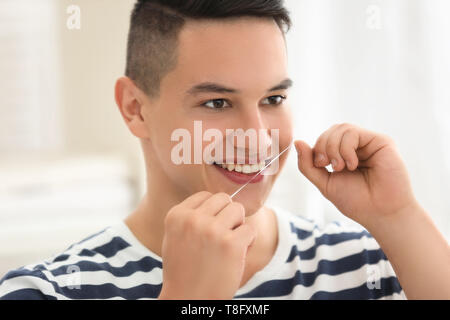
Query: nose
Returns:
{"type": "Point", "coordinates": [254, 127]}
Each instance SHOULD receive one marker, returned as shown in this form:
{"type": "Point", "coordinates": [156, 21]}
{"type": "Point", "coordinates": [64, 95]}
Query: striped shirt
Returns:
{"type": "Point", "coordinates": [333, 262]}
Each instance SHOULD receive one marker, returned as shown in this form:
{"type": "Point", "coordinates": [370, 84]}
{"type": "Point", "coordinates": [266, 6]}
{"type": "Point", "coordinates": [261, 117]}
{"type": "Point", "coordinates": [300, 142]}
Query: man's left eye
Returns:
{"type": "Point", "coordinates": [274, 100]}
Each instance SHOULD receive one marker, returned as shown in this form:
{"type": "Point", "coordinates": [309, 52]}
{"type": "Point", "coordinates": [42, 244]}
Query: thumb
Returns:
{"type": "Point", "coordinates": [318, 176]}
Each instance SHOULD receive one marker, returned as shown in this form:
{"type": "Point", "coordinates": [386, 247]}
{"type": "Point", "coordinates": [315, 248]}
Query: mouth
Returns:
{"type": "Point", "coordinates": [242, 173]}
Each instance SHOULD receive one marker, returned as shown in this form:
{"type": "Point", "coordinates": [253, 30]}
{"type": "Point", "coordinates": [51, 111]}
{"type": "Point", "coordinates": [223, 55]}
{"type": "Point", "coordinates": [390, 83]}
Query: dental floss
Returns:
{"type": "Point", "coordinates": [279, 155]}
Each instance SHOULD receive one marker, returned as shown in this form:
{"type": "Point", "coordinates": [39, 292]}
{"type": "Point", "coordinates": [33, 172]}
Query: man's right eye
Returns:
{"type": "Point", "coordinates": [216, 104]}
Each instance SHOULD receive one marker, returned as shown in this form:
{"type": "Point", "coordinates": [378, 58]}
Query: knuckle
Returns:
{"type": "Point", "coordinates": [212, 232]}
{"type": "Point", "coordinates": [348, 131]}
{"type": "Point", "coordinates": [171, 216]}
{"type": "Point", "coordinates": [192, 223]}
{"type": "Point", "coordinates": [239, 208]}
{"type": "Point", "coordinates": [168, 219]}
{"type": "Point", "coordinates": [174, 209]}
{"type": "Point", "coordinates": [331, 147]}
{"type": "Point", "coordinates": [223, 196]}
{"type": "Point", "coordinates": [323, 138]}
{"type": "Point", "coordinates": [176, 218]}
{"type": "Point", "coordinates": [345, 125]}
{"type": "Point", "coordinates": [320, 141]}
{"type": "Point", "coordinates": [388, 139]}
{"type": "Point", "coordinates": [204, 193]}
{"type": "Point", "coordinates": [344, 146]}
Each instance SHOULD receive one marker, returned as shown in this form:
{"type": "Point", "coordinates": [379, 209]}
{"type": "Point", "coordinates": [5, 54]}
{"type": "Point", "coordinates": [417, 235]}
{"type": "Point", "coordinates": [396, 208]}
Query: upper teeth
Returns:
{"type": "Point", "coordinates": [244, 168]}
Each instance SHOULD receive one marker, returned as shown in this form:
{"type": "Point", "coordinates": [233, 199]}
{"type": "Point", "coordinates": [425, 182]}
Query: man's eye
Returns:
{"type": "Point", "coordinates": [274, 100]}
{"type": "Point", "coordinates": [216, 104]}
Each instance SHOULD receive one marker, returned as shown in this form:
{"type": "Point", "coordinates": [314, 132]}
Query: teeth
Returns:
{"type": "Point", "coordinates": [262, 164]}
{"type": "Point", "coordinates": [244, 168]}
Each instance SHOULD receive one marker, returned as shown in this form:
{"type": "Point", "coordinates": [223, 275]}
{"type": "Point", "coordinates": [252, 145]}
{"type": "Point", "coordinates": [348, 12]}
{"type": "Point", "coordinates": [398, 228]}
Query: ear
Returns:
{"type": "Point", "coordinates": [130, 99]}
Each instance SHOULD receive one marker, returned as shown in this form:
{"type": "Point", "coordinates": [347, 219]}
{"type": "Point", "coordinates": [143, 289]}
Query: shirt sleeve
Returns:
{"type": "Point", "coordinates": [25, 284]}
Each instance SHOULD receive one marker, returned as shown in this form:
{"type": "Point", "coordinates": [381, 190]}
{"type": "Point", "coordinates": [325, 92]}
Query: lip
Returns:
{"type": "Point", "coordinates": [239, 178]}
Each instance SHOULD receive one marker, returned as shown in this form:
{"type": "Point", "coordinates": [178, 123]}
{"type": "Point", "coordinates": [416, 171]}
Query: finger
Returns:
{"type": "Point", "coordinates": [196, 199]}
{"type": "Point", "coordinates": [232, 216]}
{"type": "Point", "coordinates": [348, 147]}
{"type": "Point", "coordinates": [333, 147]}
{"type": "Point", "coordinates": [319, 150]}
{"type": "Point", "coordinates": [214, 204]}
{"type": "Point", "coordinates": [318, 176]}
{"type": "Point", "coordinates": [374, 144]}
{"type": "Point", "coordinates": [246, 234]}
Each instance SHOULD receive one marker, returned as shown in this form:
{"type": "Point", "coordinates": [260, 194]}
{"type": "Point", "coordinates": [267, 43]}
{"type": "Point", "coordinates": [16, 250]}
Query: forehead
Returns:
{"type": "Point", "coordinates": [239, 52]}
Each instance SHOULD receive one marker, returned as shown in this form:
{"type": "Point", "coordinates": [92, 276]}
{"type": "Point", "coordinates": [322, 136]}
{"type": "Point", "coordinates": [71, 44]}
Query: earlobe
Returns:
{"type": "Point", "coordinates": [130, 106]}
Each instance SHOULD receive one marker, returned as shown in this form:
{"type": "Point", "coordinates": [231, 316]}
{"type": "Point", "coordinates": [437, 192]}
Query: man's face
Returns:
{"type": "Point", "coordinates": [247, 55]}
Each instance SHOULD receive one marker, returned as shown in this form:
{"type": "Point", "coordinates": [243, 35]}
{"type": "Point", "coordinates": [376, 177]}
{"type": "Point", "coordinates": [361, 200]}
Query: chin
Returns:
{"type": "Point", "coordinates": [249, 211]}
{"type": "Point", "coordinates": [254, 198]}
{"type": "Point", "coordinates": [251, 207]}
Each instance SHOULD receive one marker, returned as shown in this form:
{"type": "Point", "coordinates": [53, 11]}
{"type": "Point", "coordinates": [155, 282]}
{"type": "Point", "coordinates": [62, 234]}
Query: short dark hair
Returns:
{"type": "Point", "coordinates": [156, 24]}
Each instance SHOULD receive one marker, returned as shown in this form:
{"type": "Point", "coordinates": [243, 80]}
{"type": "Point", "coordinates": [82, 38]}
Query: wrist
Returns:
{"type": "Point", "coordinates": [398, 219]}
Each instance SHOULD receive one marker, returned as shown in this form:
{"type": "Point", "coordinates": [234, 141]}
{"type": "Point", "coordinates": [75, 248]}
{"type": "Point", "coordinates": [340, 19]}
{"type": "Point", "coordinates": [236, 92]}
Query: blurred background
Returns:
{"type": "Point", "coordinates": [69, 167]}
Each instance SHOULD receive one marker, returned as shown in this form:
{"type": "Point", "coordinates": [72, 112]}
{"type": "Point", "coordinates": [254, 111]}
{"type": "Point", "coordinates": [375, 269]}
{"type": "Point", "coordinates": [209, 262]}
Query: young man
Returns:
{"type": "Point", "coordinates": [224, 64]}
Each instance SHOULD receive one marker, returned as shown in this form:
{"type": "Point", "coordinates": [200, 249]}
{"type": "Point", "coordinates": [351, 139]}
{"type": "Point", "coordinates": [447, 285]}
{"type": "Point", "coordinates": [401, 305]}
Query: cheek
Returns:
{"type": "Point", "coordinates": [280, 119]}
{"type": "Point", "coordinates": [284, 126]}
{"type": "Point", "coordinates": [287, 128]}
{"type": "Point", "coordinates": [186, 178]}
{"type": "Point", "coordinates": [162, 154]}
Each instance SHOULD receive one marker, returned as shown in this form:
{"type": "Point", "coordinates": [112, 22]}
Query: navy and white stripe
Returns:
{"type": "Point", "coordinates": [309, 263]}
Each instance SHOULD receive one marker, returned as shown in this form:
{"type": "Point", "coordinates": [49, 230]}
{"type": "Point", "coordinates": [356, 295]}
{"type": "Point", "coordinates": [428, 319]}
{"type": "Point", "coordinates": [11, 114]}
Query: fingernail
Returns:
{"type": "Point", "coordinates": [319, 158]}
{"type": "Point", "coordinates": [348, 164]}
{"type": "Point", "coordinates": [334, 163]}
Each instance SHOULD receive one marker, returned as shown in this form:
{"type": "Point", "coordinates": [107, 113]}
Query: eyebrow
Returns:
{"type": "Point", "coordinates": [217, 88]}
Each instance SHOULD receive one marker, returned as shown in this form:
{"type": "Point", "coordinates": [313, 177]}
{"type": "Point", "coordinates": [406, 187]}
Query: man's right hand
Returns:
{"type": "Point", "coordinates": [204, 248]}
